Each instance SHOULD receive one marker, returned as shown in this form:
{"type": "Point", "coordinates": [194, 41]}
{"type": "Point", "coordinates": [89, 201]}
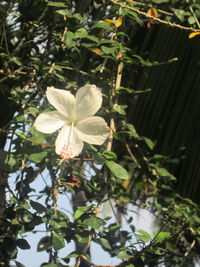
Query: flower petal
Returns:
{"type": "Point", "coordinates": [49, 122]}
{"type": "Point", "coordinates": [93, 130]}
{"type": "Point", "coordinates": [62, 100]}
{"type": "Point", "coordinates": [68, 144]}
{"type": "Point", "coordinates": [88, 101]}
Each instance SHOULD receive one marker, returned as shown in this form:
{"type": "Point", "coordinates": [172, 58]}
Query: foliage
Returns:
{"type": "Point", "coordinates": [67, 44]}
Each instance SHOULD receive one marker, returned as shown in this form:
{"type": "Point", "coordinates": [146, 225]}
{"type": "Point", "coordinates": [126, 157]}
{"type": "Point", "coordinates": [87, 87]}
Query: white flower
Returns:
{"type": "Point", "coordinates": [74, 115]}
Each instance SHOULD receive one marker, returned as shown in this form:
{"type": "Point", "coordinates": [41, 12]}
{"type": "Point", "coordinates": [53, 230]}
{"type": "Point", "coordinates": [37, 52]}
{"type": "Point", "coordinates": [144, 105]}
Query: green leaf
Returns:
{"type": "Point", "coordinates": [104, 242]}
{"type": "Point", "coordinates": [179, 13]}
{"type": "Point", "coordinates": [58, 241]}
{"type": "Point", "coordinates": [83, 239]}
{"type": "Point", "coordinates": [72, 255]}
{"type": "Point", "coordinates": [68, 39]}
{"type": "Point", "coordinates": [102, 24]}
{"type": "Point", "coordinates": [56, 4]}
{"type": "Point", "coordinates": [23, 244]}
{"type": "Point", "coordinates": [124, 255]}
{"type": "Point", "coordinates": [32, 110]}
{"type": "Point", "coordinates": [79, 17]}
{"type": "Point", "coordinates": [80, 211]}
{"type": "Point", "coordinates": [114, 227]}
{"type": "Point", "coordinates": [160, 1]}
{"type": "Point", "coordinates": [19, 264]}
{"type": "Point", "coordinates": [191, 20]}
{"type": "Point", "coordinates": [143, 235]}
{"type": "Point", "coordinates": [149, 143]}
{"type": "Point", "coordinates": [134, 16]}
{"type": "Point", "coordinates": [60, 77]}
{"type": "Point", "coordinates": [17, 61]}
{"type": "Point", "coordinates": [37, 206]}
{"type": "Point", "coordinates": [163, 172]}
{"type": "Point", "coordinates": [82, 33]}
{"type": "Point", "coordinates": [37, 157]}
{"type": "Point", "coordinates": [108, 50]}
{"type": "Point", "coordinates": [109, 154]}
{"type": "Point", "coordinates": [10, 246]}
{"type": "Point", "coordinates": [23, 205]}
{"type": "Point", "coordinates": [36, 135]}
{"type": "Point", "coordinates": [132, 131]}
{"type": "Point", "coordinates": [94, 222]}
{"type": "Point", "coordinates": [8, 161]}
{"type": "Point", "coordinates": [44, 243]}
{"type": "Point", "coordinates": [196, 219]}
{"type": "Point", "coordinates": [159, 237]}
{"type": "Point", "coordinates": [117, 170]}
{"type": "Point", "coordinates": [65, 12]}
{"type": "Point", "coordinates": [120, 109]}
{"type": "Point", "coordinates": [27, 216]}
{"type": "Point", "coordinates": [92, 38]}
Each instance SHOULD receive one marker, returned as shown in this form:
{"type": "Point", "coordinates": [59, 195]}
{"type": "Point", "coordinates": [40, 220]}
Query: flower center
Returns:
{"type": "Point", "coordinates": [67, 150]}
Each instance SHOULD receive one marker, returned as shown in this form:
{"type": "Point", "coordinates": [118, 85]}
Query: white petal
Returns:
{"type": "Point", "coordinates": [68, 144]}
{"type": "Point", "coordinates": [62, 100]}
{"type": "Point", "coordinates": [93, 130]}
{"type": "Point", "coordinates": [88, 101]}
{"type": "Point", "coordinates": [49, 122]}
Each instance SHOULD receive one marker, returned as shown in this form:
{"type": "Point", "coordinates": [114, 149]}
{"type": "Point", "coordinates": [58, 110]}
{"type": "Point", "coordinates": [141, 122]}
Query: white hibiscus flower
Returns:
{"type": "Point", "coordinates": [74, 115]}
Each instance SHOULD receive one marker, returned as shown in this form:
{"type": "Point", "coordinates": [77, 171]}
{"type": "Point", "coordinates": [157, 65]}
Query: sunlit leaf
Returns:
{"type": "Point", "coordinates": [143, 235]}
{"type": "Point", "coordinates": [37, 157]}
{"type": "Point", "coordinates": [58, 241]}
{"type": "Point", "coordinates": [117, 170]}
{"type": "Point", "coordinates": [81, 32]}
{"type": "Point", "coordinates": [102, 24]}
{"type": "Point", "coordinates": [159, 237]}
{"type": "Point", "coordinates": [152, 12]}
{"type": "Point", "coordinates": [118, 22]}
{"type": "Point", "coordinates": [56, 4]}
{"type": "Point", "coordinates": [124, 255]}
{"type": "Point", "coordinates": [109, 154]}
{"type": "Point", "coordinates": [193, 34]}
{"type": "Point", "coordinates": [94, 222]}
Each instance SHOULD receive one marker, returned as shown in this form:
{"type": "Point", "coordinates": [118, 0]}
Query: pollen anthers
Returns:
{"type": "Point", "coordinates": [67, 152]}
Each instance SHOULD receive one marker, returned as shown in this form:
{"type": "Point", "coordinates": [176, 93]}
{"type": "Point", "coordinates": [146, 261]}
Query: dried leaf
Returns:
{"type": "Point", "coordinates": [193, 34]}
{"type": "Point", "coordinates": [118, 22]}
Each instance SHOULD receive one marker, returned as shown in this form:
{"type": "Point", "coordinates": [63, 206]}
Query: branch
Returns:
{"type": "Point", "coordinates": [132, 156]}
{"type": "Point", "coordinates": [112, 122]}
{"type": "Point", "coordinates": [146, 5]}
{"type": "Point", "coordinates": [174, 25]}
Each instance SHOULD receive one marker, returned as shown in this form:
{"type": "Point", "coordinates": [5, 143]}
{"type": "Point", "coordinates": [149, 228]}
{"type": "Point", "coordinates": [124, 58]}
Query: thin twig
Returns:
{"type": "Point", "coordinates": [5, 38]}
{"type": "Point", "coordinates": [80, 71]}
{"type": "Point", "coordinates": [146, 5]}
{"type": "Point", "coordinates": [132, 156]}
{"type": "Point", "coordinates": [115, 214]}
{"type": "Point", "coordinates": [174, 25]}
{"type": "Point", "coordinates": [69, 68]}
